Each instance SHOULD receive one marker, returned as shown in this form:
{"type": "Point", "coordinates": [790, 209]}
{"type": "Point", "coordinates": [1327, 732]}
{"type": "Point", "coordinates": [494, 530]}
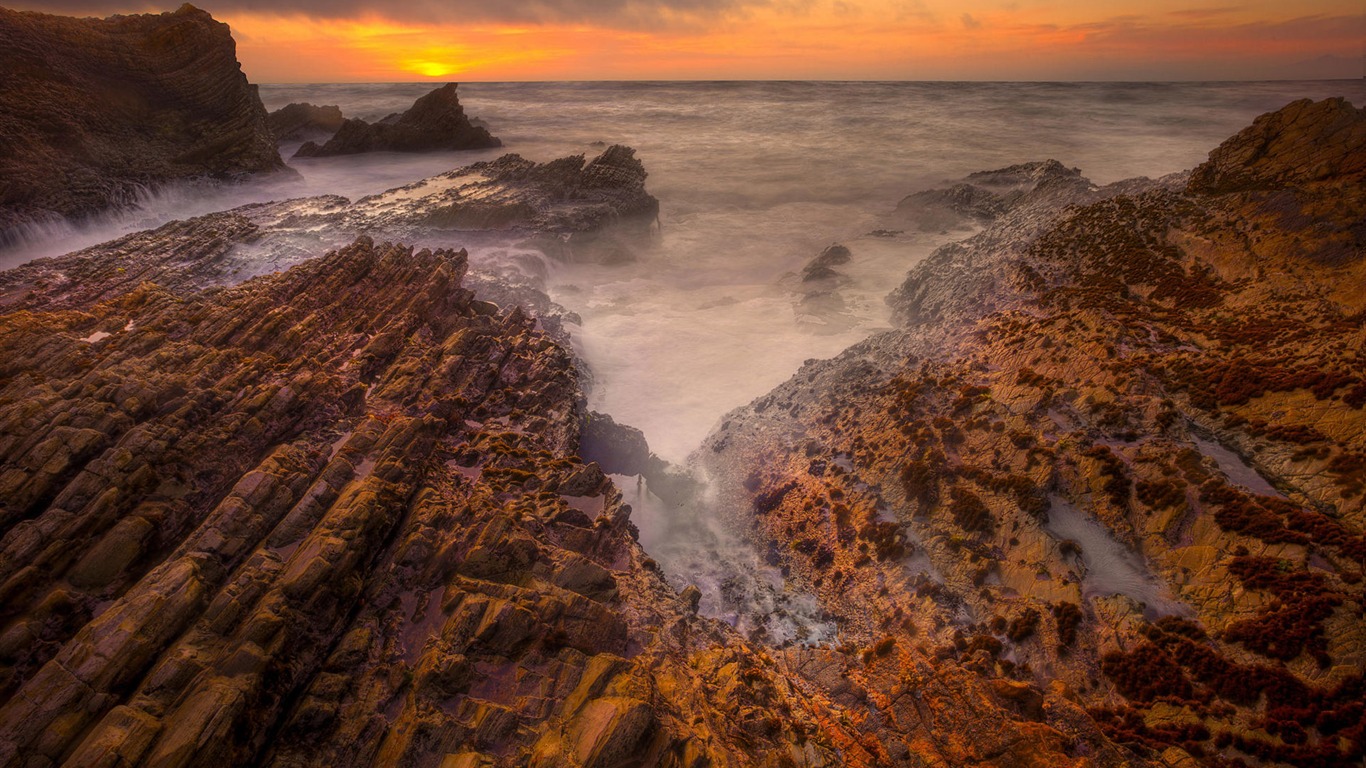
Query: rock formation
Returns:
{"type": "Point", "coordinates": [95, 111]}
{"type": "Point", "coordinates": [596, 211]}
{"type": "Point", "coordinates": [816, 300]}
{"type": "Point", "coordinates": [1113, 457]}
{"type": "Point", "coordinates": [278, 525]}
{"type": "Point", "coordinates": [434, 122]}
{"type": "Point", "coordinates": [1304, 142]}
{"type": "Point", "coordinates": [1096, 501]}
{"type": "Point", "coordinates": [304, 122]}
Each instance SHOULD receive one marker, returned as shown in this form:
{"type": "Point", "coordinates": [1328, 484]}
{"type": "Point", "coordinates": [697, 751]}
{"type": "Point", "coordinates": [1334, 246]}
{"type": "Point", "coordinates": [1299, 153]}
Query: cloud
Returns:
{"type": "Point", "coordinates": [913, 10]}
{"type": "Point", "coordinates": [971, 23]}
{"type": "Point", "coordinates": [644, 14]}
{"type": "Point", "coordinates": [1205, 13]}
{"type": "Point", "coordinates": [1140, 48]}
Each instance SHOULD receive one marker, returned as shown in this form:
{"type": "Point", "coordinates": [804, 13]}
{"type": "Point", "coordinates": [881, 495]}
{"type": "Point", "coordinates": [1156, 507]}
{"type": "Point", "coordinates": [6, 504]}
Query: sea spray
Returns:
{"type": "Point", "coordinates": [695, 546]}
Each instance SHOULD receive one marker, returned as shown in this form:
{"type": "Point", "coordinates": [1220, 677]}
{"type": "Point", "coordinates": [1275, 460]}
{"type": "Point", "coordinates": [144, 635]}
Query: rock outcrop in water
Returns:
{"type": "Point", "coordinates": [1113, 457]}
{"type": "Point", "coordinates": [305, 122]}
{"type": "Point", "coordinates": [434, 122]}
{"type": "Point", "coordinates": [597, 210]}
{"type": "Point", "coordinates": [94, 111]}
{"type": "Point", "coordinates": [570, 209]}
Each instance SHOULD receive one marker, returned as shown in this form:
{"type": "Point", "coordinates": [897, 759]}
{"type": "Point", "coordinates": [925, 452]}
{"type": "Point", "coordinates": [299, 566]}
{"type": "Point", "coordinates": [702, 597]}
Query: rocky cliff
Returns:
{"type": "Point", "coordinates": [92, 111]}
{"type": "Point", "coordinates": [1114, 455]}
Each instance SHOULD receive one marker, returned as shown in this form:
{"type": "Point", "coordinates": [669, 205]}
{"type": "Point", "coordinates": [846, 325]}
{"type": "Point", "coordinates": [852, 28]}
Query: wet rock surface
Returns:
{"type": "Point", "coordinates": [96, 111]}
{"type": "Point", "coordinates": [595, 210]}
{"type": "Point", "coordinates": [434, 122]}
{"type": "Point", "coordinates": [1108, 471]}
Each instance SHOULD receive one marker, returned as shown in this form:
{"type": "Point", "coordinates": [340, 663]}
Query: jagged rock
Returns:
{"type": "Point", "coordinates": [434, 122]}
{"type": "Point", "coordinates": [942, 208]}
{"type": "Point", "coordinates": [304, 122]}
{"type": "Point", "coordinates": [302, 520]}
{"type": "Point", "coordinates": [1304, 142]}
{"type": "Point", "coordinates": [561, 206]}
{"type": "Point", "coordinates": [96, 111]}
{"type": "Point", "coordinates": [1097, 480]}
{"type": "Point", "coordinates": [1025, 177]}
{"type": "Point", "coordinates": [985, 195]}
{"type": "Point", "coordinates": [595, 212]}
{"type": "Point", "coordinates": [962, 279]}
{"type": "Point", "coordinates": [341, 515]}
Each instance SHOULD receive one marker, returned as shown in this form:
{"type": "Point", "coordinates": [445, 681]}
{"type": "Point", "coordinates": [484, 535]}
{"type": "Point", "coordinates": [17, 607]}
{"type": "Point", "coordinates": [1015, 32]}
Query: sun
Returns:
{"type": "Point", "coordinates": [429, 68]}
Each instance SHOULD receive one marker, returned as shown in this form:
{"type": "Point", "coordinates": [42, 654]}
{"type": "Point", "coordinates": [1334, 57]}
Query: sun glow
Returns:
{"type": "Point", "coordinates": [429, 68]}
{"type": "Point", "coordinates": [872, 39]}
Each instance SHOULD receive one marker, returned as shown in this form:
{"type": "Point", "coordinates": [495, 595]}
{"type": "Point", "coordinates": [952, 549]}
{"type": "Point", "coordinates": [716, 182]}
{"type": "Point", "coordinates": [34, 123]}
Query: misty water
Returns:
{"type": "Point", "coordinates": [754, 180]}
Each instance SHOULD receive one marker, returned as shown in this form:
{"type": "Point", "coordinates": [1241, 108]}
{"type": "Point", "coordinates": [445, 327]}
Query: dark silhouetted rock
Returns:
{"type": "Point", "coordinates": [305, 122]}
{"type": "Point", "coordinates": [94, 111]}
{"type": "Point", "coordinates": [1305, 141]}
{"type": "Point", "coordinates": [434, 122]}
{"type": "Point", "coordinates": [617, 448]}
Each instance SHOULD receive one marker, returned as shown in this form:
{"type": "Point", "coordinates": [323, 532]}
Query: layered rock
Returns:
{"type": "Point", "coordinates": [434, 122]}
{"type": "Point", "coordinates": [96, 111]}
{"type": "Point", "coordinates": [1096, 501]}
{"type": "Point", "coordinates": [336, 516]}
{"type": "Point", "coordinates": [304, 122]}
{"type": "Point", "coordinates": [1113, 457]}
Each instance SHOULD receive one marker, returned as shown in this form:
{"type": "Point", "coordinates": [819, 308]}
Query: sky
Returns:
{"type": "Point", "coordinates": [280, 41]}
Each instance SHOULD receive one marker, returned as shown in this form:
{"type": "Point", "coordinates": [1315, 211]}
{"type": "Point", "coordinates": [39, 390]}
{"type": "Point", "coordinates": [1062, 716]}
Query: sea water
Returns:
{"type": "Point", "coordinates": [755, 178]}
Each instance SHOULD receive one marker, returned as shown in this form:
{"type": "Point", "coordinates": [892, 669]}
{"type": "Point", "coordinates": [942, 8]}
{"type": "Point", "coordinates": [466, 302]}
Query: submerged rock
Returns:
{"type": "Point", "coordinates": [304, 122]}
{"type": "Point", "coordinates": [96, 111]}
{"type": "Point", "coordinates": [434, 122]}
{"type": "Point", "coordinates": [823, 266]}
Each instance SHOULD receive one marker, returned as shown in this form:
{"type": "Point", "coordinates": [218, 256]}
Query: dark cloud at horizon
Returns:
{"type": "Point", "coordinates": [628, 13]}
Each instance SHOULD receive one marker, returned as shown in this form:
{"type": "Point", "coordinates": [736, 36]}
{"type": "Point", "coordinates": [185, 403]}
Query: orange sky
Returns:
{"type": "Point", "coordinates": [359, 40]}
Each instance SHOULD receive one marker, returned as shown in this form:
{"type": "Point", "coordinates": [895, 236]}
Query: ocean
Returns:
{"type": "Point", "coordinates": [754, 180]}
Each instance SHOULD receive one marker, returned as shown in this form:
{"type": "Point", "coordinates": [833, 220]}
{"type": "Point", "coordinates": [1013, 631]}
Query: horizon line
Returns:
{"type": "Point", "coordinates": [814, 80]}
